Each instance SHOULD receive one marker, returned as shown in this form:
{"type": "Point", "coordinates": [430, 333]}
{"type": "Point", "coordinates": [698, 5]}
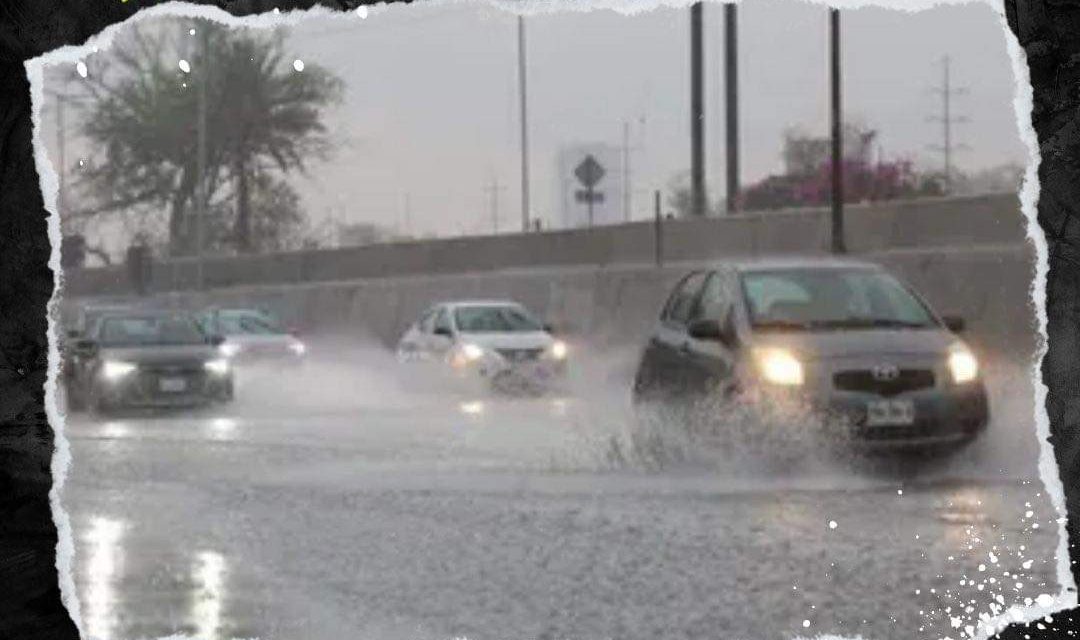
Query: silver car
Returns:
{"type": "Point", "coordinates": [842, 343]}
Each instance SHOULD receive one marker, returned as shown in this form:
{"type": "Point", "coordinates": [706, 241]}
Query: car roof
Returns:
{"type": "Point", "coordinates": [768, 263]}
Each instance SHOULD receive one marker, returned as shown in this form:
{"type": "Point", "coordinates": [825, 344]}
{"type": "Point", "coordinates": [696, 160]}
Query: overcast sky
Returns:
{"type": "Point", "coordinates": [431, 101]}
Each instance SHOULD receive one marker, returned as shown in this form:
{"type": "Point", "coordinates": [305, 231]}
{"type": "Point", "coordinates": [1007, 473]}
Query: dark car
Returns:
{"type": "Point", "coordinates": [148, 359]}
{"type": "Point", "coordinates": [841, 342]}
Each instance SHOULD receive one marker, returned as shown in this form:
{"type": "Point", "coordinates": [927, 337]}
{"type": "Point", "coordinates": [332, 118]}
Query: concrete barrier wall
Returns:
{"type": "Point", "coordinates": [617, 305]}
{"type": "Point", "coordinates": [993, 219]}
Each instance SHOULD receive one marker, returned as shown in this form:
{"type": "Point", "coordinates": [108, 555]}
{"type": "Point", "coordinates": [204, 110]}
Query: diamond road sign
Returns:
{"type": "Point", "coordinates": [589, 172]}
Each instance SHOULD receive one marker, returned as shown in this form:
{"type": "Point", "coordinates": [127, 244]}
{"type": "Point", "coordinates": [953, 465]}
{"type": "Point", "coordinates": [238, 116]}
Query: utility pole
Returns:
{"type": "Point", "coordinates": [626, 170]}
{"type": "Point", "coordinates": [524, 127]}
{"type": "Point", "coordinates": [62, 98]}
{"type": "Point", "coordinates": [697, 112]}
{"type": "Point", "coordinates": [200, 160]}
{"type": "Point", "coordinates": [947, 120]}
{"type": "Point", "coordinates": [731, 103]}
{"type": "Point", "coordinates": [837, 235]}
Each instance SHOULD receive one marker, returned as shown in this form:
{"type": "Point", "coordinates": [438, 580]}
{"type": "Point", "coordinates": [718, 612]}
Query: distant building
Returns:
{"type": "Point", "coordinates": [608, 206]}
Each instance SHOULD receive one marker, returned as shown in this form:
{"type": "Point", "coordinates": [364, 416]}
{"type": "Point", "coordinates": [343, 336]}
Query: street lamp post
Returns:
{"type": "Point", "coordinates": [697, 112]}
{"type": "Point", "coordinates": [524, 127]}
{"type": "Point", "coordinates": [200, 159]}
{"type": "Point", "coordinates": [837, 234]}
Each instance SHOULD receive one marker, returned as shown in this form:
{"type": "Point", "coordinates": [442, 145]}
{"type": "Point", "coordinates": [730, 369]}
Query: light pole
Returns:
{"type": "Point", "coordinates": [524, 127]}
{"type": "Point", "coordinates": [731, 103]}
{"type": "Point", "coordinates": [697, 112]}
{"type": "Point", "coordinates": [837, 234]}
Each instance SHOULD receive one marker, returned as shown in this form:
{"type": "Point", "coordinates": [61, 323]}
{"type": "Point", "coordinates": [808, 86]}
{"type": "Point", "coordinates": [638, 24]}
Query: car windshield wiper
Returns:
{"type": "Point", "coordinates": [873, 323]}
{"type": "Point", "coordinates": [781, 324]}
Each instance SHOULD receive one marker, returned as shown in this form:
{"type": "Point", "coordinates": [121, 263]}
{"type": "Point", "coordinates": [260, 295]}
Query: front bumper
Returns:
{"type": "Point", "coordinates": [155, 389]}
{"type": "Point", "coordinates": [943, 416]}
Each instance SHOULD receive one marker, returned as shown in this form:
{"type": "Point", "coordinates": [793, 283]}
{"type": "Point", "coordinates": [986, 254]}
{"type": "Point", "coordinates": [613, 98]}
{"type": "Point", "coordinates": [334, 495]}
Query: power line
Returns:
{"type": "Point", "coordinates": [947, 120]}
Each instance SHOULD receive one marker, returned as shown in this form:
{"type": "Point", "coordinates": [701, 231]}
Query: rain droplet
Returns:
{"type": "Point", "coordinates": [80, 66]}
{"type": "Point", "coordinates": [184, 66]}
{"type": "Point", "coordinates": [191, 32]}
{"type": "Point", "coordinates": [806, 624]}
{"type": "Point", "coordinates": [362, 12]}
{"type": "Point", "coordinates": [298, 64]}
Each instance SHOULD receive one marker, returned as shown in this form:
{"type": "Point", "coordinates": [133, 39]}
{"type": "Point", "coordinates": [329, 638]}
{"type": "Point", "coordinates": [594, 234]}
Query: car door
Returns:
{"type": "Point", "coordinates": [669, 348]}
{"type": "Point", "coordinates": [710, 362]}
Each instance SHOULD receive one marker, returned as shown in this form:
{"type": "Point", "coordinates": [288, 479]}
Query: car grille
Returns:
{"type": "Point", "coordinates": [864, 381]}
{"type": "Point", "coordinates": [520, 355]}
{"type": "Point", "coordinates": [150, 377]}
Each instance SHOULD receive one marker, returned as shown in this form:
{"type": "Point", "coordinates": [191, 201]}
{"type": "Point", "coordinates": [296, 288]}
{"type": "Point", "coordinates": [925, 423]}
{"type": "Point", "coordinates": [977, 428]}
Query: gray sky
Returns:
{"type": "Point", "coordinates": [431, 101]}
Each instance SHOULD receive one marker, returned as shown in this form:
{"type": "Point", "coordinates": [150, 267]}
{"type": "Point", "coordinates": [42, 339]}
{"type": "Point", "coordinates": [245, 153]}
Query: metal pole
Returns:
{"type": "Point", "coordinates": [837, 234]}
{"type": "Point", "coordinates": [947, 120]}
{"type": "Point", "coordinates": [626, 170]}
{"type": "Point", "coordinates": [731, 83]}
{"type": "Point", "coordinates": [524, 127]}
{"type": "Point", "coordinates": [200, 160]}
{"type": "Point", "coordinates": [658, 230]}
{"type": "Point", "coordinates": [697, 112]}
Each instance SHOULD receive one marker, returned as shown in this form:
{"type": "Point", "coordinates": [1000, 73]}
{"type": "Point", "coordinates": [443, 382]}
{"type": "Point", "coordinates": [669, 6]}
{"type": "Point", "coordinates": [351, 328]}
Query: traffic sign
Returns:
{"type": "Point", "coordinates": [588, 196]}
{"type": "Point", "coordinates": [589, 172]}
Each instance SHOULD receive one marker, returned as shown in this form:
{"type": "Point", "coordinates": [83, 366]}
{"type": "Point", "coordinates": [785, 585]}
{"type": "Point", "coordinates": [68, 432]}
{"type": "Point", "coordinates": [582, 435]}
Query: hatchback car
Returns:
{"type": "Point", "coordinates": [842, 342]}
{"type": "Point", "coordinates": [498, 342]}
{"type": "Point", "coordinates": [148, 359]}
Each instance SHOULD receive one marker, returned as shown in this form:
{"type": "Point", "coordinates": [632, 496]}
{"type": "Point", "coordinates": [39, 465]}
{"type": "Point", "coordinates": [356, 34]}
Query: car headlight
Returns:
{"type": "Point", "coordinates": [116, 369]}
{"type": "Point", "coordinates": [963, 366]}
{"type": "Point", "coordinates": [559, 350]}
{"type": "Point", "coordinates": [229, 349]}
{"type": "Point", "coordinates": [298, 348]}
{"type": "Point", "coordinates": [466, 354]}
{"type": "Point", "coordinates": [218, 367]}
{"type": "Point", "coordinates": [779, 366]}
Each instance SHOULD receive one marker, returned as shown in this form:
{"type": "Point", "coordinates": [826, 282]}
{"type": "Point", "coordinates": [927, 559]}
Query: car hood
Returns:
{"type": "Point", "coordinates": [516, 340]}
{"type": "Point", "coordinates": [157, 354]}
{"type": "Point", "coordinates": [825, 345]}
{"type": "Point", "coordinates": [274, 339]}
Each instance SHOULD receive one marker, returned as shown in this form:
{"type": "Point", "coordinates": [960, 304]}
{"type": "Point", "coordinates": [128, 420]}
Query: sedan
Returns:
{"type": "Point", "coordinates": [496, 342]}
{"type": "Point", "coordinates": [148, 359]}
{"type": "Point", "coordinates": [253, 336]}
{"type": "Point", "coordinates": [840, 344]}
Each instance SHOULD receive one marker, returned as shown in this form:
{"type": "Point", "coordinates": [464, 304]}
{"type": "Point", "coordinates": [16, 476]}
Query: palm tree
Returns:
{"type": "Point", "coordinates": [261, 116]}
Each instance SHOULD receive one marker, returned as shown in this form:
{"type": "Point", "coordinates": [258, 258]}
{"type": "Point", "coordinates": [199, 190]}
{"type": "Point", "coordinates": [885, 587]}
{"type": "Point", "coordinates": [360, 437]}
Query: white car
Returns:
{"type": "Point", "coordinates": [497, 342]}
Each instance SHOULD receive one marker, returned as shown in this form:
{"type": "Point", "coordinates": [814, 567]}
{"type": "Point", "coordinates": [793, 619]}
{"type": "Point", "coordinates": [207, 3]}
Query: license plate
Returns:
{"type": "Point", "coordinates": [172, 385]}
{"type": "Point", "coordinates": [890, 413]}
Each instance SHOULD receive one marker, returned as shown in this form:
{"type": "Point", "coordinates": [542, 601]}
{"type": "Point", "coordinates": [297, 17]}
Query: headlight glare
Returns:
{"type": "Point", "coordinates": [299, 348]}
{"type": "Point", "coordinates": [116, 369]}
{"type": "Point", "coordinates": [229, 349]}
{"type": "Point", "coordinates": [559, 350]}
{"type": "Point", "coordinates": [218, 367]}
{"type": "Point", "coordinates": [472, 352]}
{"type": "Point", "coordinates": [780, 367]}
{"type": "Point", "coordinates": [963, 366]}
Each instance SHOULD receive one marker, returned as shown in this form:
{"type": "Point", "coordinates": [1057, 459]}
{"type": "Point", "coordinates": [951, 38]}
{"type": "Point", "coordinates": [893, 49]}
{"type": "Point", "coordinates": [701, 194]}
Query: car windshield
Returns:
{"type": "Point", "coordinates": [231, 324]}
{"type": "Point", "coordinates": [806, 299]}
{"type": "Point", "coordinates": [494, 319]}
{"type": "Point", "coordinates": [150, 330]}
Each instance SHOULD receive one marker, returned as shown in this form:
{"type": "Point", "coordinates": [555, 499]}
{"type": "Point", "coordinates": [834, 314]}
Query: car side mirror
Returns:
{"type": "Point", "coordinates": [712, 330]}
{"type": "Point", "coordinates": [549, 328]}
{"type": "Point", "coordinates": [955, 324]}
{"type": "Point", "coordinates": [216, 340]}
{"type": "Point", "coordinates": [443, 331]}
{"type": "Point", "coordinates": [86, 348]}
